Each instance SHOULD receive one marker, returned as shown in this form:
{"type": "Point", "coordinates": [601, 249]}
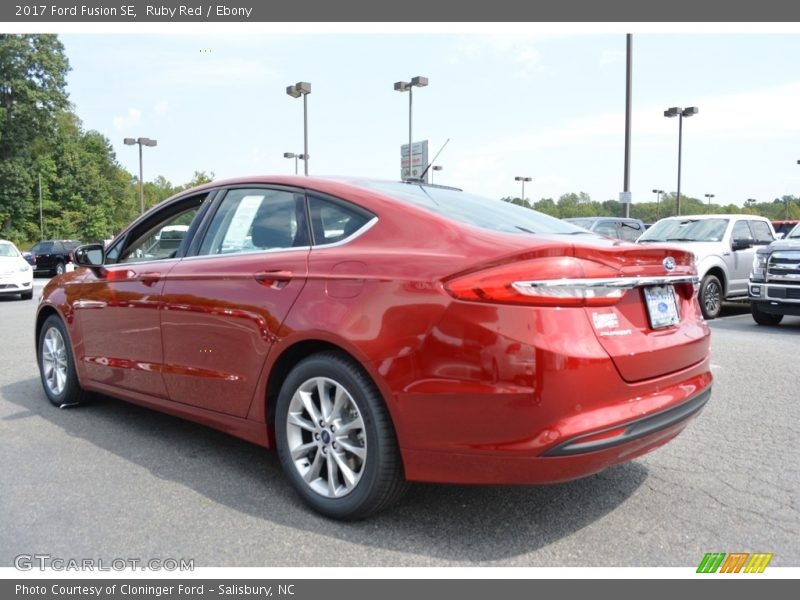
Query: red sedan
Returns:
{"type": "Point", "coordinates": [383, 332]}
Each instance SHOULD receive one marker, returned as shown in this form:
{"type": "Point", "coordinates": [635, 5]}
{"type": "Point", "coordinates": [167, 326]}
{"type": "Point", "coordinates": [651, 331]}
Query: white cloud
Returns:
{"type": "Point", "coordinates": [127, 121]}
{"type": "Point", "coordinates": [161, 108]}
{"type": "Point", "coordinates": [520, 50]}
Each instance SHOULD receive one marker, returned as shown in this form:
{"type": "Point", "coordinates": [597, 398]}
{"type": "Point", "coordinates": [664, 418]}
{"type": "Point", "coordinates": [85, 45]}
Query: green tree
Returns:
{"type": "Point", "coordinates": [33, 71]}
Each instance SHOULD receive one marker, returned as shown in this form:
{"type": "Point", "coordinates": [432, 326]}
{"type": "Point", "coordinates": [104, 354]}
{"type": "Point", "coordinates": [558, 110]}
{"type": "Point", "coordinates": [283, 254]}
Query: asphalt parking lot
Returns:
{"type": "Point", "coordinates": [112, 480]}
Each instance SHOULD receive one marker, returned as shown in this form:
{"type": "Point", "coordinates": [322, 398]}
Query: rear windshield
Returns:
{"type": "Point", "coordinates": [486, 213]}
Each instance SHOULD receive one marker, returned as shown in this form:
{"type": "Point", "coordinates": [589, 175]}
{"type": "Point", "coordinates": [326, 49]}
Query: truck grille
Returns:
{"type": "Point", "coordinates": [784, 267]}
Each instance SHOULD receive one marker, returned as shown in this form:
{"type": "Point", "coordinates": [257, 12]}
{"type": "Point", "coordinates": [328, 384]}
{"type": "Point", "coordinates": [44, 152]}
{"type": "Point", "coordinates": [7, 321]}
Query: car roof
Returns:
{"type": "Point", "coordinates": [717, 216]}
{"type": "Point", "coordinates": [628, 219]}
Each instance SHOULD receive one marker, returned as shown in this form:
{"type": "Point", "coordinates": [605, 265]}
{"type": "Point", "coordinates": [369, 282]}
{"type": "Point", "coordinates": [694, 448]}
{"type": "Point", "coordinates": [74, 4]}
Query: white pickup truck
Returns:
{"type": "Point", "coordinates": [724, 247]}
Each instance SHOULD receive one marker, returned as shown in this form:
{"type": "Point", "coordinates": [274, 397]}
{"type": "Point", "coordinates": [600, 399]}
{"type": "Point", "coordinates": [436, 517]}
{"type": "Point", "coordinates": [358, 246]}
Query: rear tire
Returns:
{"type": "Point", "coordinates": [59, 269]}
{"type": "Point", "coordinates": [764, 318]}
{"type": "Point", "coordinates": [335, 439]}
{"type": "Point", "coordinates": [711, 297]}
{"type": "Point", "coordinates": [57, 365]}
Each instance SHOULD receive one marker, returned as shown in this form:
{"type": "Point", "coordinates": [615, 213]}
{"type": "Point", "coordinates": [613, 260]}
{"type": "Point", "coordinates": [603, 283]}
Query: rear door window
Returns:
{"type": "Point", "coordinates": [335, 221]}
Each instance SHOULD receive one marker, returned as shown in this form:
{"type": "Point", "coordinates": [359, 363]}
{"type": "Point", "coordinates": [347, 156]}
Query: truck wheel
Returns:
{"type": "Point", "coordinates": [710, 297]}
{"type": "Point", "coordinates": [764, 318]}
{"type": "Point", "coordinates": [59, 269]}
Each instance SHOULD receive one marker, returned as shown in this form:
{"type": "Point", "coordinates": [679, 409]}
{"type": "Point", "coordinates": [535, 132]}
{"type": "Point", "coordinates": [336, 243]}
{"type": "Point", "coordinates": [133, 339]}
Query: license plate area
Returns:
{"type": "Point", "coordinates": [662, 306]}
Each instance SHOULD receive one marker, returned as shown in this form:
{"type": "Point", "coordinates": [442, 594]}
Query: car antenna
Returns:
{"type": "Point", "coordinates": [430, 164]}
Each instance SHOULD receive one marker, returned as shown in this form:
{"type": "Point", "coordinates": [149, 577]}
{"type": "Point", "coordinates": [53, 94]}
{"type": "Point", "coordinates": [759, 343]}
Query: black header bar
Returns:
{"type": "Point", "coordinates": [405, 11]}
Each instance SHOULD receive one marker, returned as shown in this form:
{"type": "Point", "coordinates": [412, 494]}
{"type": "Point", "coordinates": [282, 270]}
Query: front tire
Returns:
{"type": "Point", "coordinates": [764, 318]}
{"type": "Point", "coordinates": [335, 439]}
{"type": "Point", "coordinates": [711, 297]}
{"type": "Point", "coordinates": [57, 365]}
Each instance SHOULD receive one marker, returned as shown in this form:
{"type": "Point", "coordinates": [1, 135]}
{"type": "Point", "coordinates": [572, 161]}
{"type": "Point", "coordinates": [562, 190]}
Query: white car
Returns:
{"type": "Point", "coordinates": [723, 247]}
{"type": "Point", "coordinates": [16, 275]}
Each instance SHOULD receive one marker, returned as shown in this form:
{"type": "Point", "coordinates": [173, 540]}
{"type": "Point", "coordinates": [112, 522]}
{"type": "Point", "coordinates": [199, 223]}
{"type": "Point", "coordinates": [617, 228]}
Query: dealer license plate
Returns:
{"type": "Point", "coordinates": [662, 306]}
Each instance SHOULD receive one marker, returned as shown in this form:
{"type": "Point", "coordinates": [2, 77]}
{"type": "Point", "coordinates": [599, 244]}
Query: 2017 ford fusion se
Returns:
{"type": "Point", "coordinates": [378, 332]}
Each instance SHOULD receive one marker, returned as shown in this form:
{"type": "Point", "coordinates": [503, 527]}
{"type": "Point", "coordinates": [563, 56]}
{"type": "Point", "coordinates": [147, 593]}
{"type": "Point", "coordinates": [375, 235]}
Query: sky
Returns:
{"type": "Point", "coordinates": [526, 101]}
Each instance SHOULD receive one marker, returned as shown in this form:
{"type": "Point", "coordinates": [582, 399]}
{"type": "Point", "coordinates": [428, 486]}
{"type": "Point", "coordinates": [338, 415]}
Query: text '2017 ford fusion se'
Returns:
{"type": "Point", "coordinates": [378, 332]}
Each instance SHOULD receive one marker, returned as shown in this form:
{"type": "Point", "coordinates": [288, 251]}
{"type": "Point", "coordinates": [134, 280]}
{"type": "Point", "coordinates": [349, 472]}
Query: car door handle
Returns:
{"type": "Point", "coordinates": [274, 279]}
{"type": "Point", "coordinates": [150, 279]}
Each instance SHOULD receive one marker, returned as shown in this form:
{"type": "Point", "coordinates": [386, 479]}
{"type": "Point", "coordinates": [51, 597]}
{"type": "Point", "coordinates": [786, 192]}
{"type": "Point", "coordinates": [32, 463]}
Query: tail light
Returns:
{"type": "Point", "coordinates": [552, 281]}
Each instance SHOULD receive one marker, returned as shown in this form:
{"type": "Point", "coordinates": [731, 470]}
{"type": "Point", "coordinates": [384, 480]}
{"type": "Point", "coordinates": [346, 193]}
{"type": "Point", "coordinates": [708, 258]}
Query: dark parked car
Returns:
{"type": "Point", "coordinates": [620, 228]}
{"type": "Point", "coordinates": [51, 256]}
{"type": "Point", "coordinates": [383, 332]}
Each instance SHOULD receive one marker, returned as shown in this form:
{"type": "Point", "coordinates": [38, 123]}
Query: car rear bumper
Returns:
{"type": "Point", "coordinates": [574, 447]}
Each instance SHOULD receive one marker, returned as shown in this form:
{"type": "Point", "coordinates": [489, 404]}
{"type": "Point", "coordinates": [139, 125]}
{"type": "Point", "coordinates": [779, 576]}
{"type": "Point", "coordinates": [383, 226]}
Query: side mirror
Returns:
{"type": "Point", "coordinates": [90, 255]}
{"type": "Point", "coordinates": [741, 244]}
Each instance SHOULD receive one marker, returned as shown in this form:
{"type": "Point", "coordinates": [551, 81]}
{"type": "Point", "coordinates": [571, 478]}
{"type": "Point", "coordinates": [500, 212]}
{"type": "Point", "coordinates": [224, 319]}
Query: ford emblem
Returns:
{"type": "Point", "coordinates": [669, 263]}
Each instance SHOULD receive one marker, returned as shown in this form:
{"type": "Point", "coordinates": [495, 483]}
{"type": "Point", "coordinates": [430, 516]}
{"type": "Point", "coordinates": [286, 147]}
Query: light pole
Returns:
{"type": "Point", "coordinates": [435, 168]}
{"type": "Point", "coordinates": [405, 86]}
{"type": "Point", "coordinates": [523, 180]}
{"type": "Point", "coordinates": [750, 202]}
{"type": "Point", "coordinates": [295, 157]}
{"type": "Point", "coordinates": [709, 196]}
{"type": "Point", "coordinates": [679, 112]}
{"type": "Point", "coordinates": [142, 141]}
{"type": "Point", "coordinates": [302, 88]}
{"type": "Point", "coordinates": [658, 200]}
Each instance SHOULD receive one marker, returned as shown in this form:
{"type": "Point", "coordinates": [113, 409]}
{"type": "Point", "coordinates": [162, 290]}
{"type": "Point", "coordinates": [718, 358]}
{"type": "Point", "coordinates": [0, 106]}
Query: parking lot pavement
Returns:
{"type": "Point", "coordinates": [112, 480]}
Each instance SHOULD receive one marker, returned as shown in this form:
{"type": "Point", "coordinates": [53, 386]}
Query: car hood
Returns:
{"type": "Point", "coordinates": [790, 244]}
{"type": "Point", "coordinates": [11, 262]}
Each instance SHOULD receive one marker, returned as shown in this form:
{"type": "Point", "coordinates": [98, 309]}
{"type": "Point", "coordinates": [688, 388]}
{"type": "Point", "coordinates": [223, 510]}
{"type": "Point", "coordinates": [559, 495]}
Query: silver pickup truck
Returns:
{"type": "Point", "coordinates": [775, 280]}
{"type": "Point", "coordinates": [724, 247]}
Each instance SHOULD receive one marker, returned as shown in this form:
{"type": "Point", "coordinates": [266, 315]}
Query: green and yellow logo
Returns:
{"type": "Point", "coordinates": [736, 562]}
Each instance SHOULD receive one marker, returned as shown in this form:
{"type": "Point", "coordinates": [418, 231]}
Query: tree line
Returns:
{"type": "Point", "coordinates": [581, 205]}
{"type": "Point", "coordinates": [49, 163]}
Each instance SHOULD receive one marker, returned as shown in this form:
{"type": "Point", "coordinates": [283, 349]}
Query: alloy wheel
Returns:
{"type": "Point", "coordinates": [326, 437]}
{"type": "Point", "coordinates": [54, 361]}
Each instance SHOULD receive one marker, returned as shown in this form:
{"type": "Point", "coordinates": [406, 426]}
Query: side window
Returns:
{"type": "Point", "coordinates": [161, 240]}
{"type": "Point", "coordinates": [761, 232]}
{"type": "Point", "coordinates": [333, 221]}
{"type": "Point", "coordinates": [630, 232]}
{"type": "Point", "coordinates": [160, 237]}
{"type": "Point", "coordinates": [252, 220]}
{"type": "Point", "coordinates": [741, 231]}
{"type": "Point", "coordinates": [607, 228]}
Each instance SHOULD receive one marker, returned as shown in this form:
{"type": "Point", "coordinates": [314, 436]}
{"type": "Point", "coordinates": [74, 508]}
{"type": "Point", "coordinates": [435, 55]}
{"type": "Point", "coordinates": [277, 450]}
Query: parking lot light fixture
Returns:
{"type": "Point", "coordinates": [709, 196]}
{"type": "Point", "coordinates": [658, 200]}
{"type": "Point", "coordinates": [302, 88]}
{"type": "Point", "coordinates": [523, 180]}
{"type": "Point", "coordinates": [677, 111]}
{"type": "Point", "coordinates": [407, 86]}
{"type": "Point", "coordinates": [142, 141]}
